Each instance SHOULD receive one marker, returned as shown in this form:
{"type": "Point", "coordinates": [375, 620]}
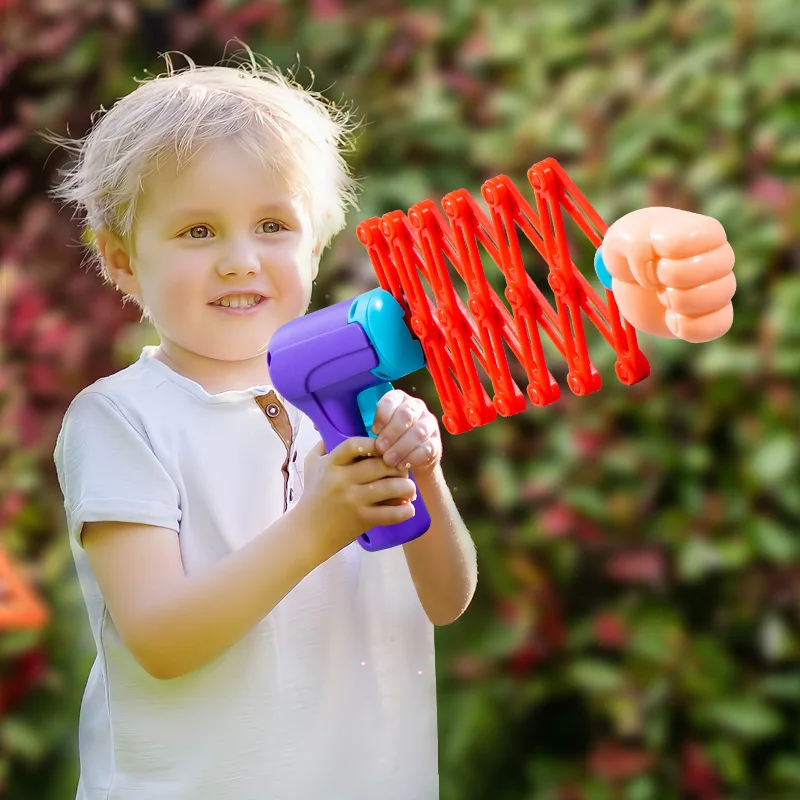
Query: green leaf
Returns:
{"type": "Point", "coordinates": [730, 759]}
{"type": "Point", "coordinates": [15, 643]}
{"type": "Point", "coordinates": [596, 676]}
{"type": "Point", "coordinates": [643, 787]}
{"type": "Point", "coordinates": [728, 358]}
{"type": "Point", "coordinates": [710, 670]}
{"type": "Point", "coordinates": [784, 688]}
{"type": "Point", "coordinates": [21, 738]}
{"type": "Point", "coordinates": [772, 541]}
{"type": "Point", "coordinates": [501, 639]}
{"type": "Point", "coordinates": [697, 558]}
{"type": "Point", "coordinates": [774, 459]}
{"type": "Point", "coordinates": [655, 637]}
{"type": "Point", "coordinates": [743, 716]}
{"type": "Point", "coordinates": [500, 482]}
{"type": "Point", "coordinates": [785, 769]}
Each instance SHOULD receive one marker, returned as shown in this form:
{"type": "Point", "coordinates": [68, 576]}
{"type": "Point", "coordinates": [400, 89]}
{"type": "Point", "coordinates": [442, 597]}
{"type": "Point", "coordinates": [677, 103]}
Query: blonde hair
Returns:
{"type": "Point", "coordinates": [294, 131]}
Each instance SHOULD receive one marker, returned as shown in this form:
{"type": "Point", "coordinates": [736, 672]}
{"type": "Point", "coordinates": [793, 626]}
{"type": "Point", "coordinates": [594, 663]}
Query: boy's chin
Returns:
{"type": "Point", "coordinates": [238, 352]}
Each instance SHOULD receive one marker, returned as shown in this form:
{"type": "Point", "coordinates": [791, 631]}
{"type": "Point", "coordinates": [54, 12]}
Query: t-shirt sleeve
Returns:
{"type": "Point", "coordinates": [108, 471]}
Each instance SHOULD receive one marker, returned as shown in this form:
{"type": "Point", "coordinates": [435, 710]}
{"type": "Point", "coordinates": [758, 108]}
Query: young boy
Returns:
{"type": "Point", "coordinates": [247, 646]}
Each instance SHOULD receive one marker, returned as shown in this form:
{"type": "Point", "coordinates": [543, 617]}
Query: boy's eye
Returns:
{"type": "Point", "coordinates": [198, 232]}
{"type": "Point", "coordinates": [270, 226]}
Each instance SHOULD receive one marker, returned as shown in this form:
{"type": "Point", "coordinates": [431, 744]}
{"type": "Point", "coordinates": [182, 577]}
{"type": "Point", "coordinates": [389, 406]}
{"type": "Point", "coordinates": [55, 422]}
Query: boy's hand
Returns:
{"type": "Point", "coordinates": [351, 490]}
{"type": "Point", "coordinates": [408, 433]}
{"type": "Point", "coordinates": [672, 273]}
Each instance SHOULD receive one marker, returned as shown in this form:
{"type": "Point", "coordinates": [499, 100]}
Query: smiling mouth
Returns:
{"type": "Point", "coordinates": [239, 301]}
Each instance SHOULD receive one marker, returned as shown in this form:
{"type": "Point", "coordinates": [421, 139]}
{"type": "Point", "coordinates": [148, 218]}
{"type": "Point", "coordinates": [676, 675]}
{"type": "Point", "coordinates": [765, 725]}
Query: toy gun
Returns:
{"type": "Point", "coordinates": [335, 364]}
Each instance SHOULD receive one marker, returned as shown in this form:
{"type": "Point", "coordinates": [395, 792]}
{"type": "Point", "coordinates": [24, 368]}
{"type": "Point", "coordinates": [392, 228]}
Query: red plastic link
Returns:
{"type": "Point", "coordinates": [404, 250]}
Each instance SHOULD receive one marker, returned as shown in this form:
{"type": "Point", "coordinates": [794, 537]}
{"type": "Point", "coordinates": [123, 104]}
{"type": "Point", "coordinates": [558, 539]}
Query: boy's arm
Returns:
{"type": "Point", "coordinates": [442, 562]}
{"type": "Point", "coordinates": [174, 623]}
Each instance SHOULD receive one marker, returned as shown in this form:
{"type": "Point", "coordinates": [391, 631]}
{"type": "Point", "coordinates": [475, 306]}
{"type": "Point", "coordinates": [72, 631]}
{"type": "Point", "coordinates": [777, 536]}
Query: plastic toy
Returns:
{"type": "Point", "coordinates": [335, 364]}
{"type": "Point", "coordinates": [401, 247]}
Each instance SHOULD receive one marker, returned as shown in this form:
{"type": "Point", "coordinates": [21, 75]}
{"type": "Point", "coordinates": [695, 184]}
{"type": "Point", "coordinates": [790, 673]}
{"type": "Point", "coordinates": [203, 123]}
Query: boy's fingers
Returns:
{"type": "Point", "coordinates": [386, 407]}
{"type": "Point", "coordinates": [318, 449]}
{"type": "Point", "coordinates": [390, 491]}
{"type": "Point", "coordinates": [369, 470]}
{"type": "Point", "coordinates": [353, 448]}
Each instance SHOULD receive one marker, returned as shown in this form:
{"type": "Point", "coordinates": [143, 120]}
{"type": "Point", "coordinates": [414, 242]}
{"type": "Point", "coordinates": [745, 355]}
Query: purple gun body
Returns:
{"type": "Point", "coordinates": [321, 363]}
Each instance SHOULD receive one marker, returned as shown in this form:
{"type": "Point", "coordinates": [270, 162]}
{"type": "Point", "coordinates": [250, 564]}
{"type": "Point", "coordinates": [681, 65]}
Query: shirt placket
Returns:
{"type": "Point", "coordinates": [278, 417]}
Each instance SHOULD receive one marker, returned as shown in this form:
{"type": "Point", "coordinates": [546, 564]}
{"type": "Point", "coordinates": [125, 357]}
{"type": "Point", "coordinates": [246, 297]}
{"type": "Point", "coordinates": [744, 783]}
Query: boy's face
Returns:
{"type": "Point", "coordinates": [218, 233]}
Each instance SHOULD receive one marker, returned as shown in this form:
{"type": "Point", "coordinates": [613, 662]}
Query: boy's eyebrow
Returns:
{"type": "Point", "coordinates": [206, 213]}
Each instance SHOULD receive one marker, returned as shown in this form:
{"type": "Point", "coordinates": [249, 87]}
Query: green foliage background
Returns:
{"type": "Point", "coordinates": [635, 634]}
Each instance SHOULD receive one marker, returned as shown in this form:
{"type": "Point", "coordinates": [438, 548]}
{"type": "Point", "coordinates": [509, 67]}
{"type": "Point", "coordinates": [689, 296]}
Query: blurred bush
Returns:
{"type": "Point", "coordinates": [635, 634]}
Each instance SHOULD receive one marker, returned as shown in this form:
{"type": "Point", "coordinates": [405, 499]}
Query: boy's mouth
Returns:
{"type": "Point", "coordinates": [239, 300]}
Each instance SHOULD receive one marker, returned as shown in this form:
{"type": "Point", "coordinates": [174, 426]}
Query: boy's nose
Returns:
{"type": "Point", "coordinates": [239, 261]}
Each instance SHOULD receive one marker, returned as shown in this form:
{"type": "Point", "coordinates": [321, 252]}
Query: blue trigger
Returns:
{"type": "Point", "coordinates": [368, 403]}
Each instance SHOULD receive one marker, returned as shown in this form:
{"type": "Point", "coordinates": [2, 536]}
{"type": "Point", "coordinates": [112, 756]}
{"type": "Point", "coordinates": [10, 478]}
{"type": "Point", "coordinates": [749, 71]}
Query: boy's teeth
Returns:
{"type": "Point", "coordinates": [238, 300]}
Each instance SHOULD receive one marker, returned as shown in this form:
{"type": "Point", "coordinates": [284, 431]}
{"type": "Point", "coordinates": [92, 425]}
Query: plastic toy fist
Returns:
{"type": "Point", "coordinates": [408, 433]}
{"type": "Point", "coordinates": [672, 273]}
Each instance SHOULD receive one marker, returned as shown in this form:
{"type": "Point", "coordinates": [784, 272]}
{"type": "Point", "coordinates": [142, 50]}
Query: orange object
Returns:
{"type": "Point", "coordinates": [19, 605]}
{"type": "Point", "coordinates": [455, 335]}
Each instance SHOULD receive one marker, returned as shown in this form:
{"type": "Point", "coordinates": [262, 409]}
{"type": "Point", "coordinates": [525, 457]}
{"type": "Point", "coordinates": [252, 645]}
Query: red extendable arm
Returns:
{"type": "Point", "coordinates": [406, 250]}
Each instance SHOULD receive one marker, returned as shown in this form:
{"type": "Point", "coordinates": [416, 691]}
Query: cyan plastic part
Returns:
{"type": "Point", "coordinates": [381, 317]}
{"type": "Point", "coordinates": [368, 404]}
{"type": "Point", "coordinates": [600, 269]}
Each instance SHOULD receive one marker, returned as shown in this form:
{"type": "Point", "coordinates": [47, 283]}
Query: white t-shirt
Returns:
{"type": "Point", "coordinates": [331, 697]}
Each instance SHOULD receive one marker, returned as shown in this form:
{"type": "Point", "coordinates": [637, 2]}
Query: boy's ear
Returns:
{"type": "Point", "coordinates": [315, 257]}
{"type": "Point", "coordinates": [117, 261]}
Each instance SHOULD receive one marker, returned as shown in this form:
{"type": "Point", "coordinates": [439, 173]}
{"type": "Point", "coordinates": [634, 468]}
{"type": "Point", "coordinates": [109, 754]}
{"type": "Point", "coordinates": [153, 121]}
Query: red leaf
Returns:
{"type": "Point", "coordinates": [29, 426]}
{"type": "Point", "coordinates": [43, 379]}
{"type": "Point", "coordinates": [697, 774]}
{"type": "Point", "coordinates": [52, 333]}
{"type": "Point", "coordinates": [640, 566]}
{"type": "Point", "coordinates": [614, 762]}
{"type": "Point", "coordinates": [28, 671]}
{"type": "Point", "coordinates": [588, 444]}
{"type": "Point", "coordinates": [557, 520]}
{"type": "Point", "coordinates": [253, 14]}
{"type": "Point", "coordinates": [475, 48]}
{"type": "Point", "coordinates": [52, 43]}
{"type": "Point", "coordinates": [11, 139]}
{"type": "Point", "coordinates": [468, 668]}
{"type": "Point", "coordinates": [533, 490]}
{"type": "Point", "coordinates": [12, 184]}
{"type": "Point", "coordinates": [24, 314]}
{"type": "Point", "coordinates": [525, 657]}
{"type": "Point", "coordinates": [325, 9]}
{"type": "Point", "coordinates": [588, 533]}
{"type": "Point", "coordinates": [609, 630]}
{"type": "Point", "coordinates": [12, 504]}
{"type": "Point", "coordinates": [772, 192]}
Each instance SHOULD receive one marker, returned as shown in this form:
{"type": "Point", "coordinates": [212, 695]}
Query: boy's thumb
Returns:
{"type": "Point", "coordinates": [318, 449]}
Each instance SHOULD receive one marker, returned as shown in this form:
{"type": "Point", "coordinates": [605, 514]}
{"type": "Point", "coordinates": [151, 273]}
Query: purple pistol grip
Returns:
{"type": "Point", "coordinates": [382, 537]}
{"type": "Point", "coordinates": [320, 363]}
